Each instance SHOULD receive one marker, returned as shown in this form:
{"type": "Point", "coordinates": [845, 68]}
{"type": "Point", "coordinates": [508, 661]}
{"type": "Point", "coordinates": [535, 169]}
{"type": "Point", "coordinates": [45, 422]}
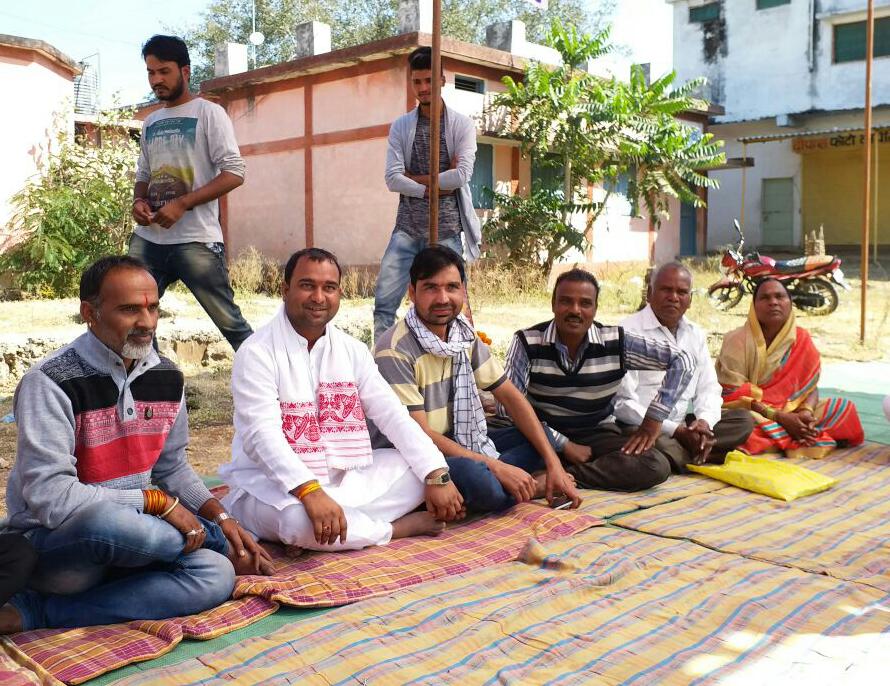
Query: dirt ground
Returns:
{"type": "Point", "coordinates": [209, 398]}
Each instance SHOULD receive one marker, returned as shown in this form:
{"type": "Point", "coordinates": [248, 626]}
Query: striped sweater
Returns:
{"type": "Point", "coordinates": [574, 396]}
{"type": "Point", "coordinates": [88, 431]}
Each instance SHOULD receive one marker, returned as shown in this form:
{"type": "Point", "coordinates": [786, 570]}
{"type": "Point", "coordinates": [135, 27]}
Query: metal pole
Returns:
{"type": "Point", "coordinates": [435, 110]}
{"type": "Point", "coordinates": [744, 185]}
{"type": "Point", "coordinates": [866, 203]}
{"type": "Point", "coordinates": [877, 195]}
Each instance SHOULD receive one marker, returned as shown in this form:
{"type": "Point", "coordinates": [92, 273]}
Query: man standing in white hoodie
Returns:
{"type": "Point", "coordinates": [408, 174]}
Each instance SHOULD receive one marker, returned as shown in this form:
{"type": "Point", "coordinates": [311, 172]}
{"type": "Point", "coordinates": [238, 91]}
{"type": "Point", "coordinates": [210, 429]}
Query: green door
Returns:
{"type": "Point", "coordinates": [777, 202]}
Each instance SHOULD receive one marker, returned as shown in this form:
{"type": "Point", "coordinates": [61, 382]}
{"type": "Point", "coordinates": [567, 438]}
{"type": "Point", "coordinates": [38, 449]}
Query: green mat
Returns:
{"type": "Point", "coordinates": [871, 413]}
{"type": "Point", "coordinates": [189, 649]}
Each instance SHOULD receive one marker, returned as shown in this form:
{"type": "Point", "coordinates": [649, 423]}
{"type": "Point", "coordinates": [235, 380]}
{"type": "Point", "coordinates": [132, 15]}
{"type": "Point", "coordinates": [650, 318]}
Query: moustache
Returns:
{"type": "Point", "coordinates": [140, 332]}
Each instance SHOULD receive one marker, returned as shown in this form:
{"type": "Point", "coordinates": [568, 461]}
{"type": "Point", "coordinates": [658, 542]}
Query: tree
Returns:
{"type": "Point", "coordinates": [353, 23]}
{"type": "Point", "coordinates": [76, 210]}
{"type": "Point", "coordinates": [595, 131]}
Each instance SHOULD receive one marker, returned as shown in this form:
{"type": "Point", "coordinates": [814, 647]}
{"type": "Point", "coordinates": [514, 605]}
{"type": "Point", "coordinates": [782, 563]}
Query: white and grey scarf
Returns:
{"type": "Point", "coordinates": [468, 417]}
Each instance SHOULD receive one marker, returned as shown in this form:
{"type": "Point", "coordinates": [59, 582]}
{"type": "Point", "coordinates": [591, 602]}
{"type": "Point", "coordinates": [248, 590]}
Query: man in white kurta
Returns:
{"type": "Point", "coordinates": [302, 470]}
{"type": "Point", "coordinates": [697, 429]}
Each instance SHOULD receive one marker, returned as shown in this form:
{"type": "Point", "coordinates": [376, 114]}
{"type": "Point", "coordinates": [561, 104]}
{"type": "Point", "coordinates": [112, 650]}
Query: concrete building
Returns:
{"type": "Point", "coordinates": [790, 75]}
{"type": "Point", "coordinates": [314, 132]}
{"type": "Point", "coordinates": [37, 78]}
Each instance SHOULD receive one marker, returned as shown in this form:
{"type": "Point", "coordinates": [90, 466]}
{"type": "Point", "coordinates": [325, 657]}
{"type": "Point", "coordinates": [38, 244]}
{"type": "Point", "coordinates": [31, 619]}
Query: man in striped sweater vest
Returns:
{"type": "Point", "coordinates": [571, 367]}
{"type": "Point", "coordinates": [99, 422]}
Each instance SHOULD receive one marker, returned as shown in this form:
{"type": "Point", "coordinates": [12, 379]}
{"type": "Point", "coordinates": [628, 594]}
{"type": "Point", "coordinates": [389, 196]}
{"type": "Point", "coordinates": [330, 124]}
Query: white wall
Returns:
{"type": "Point", "coordinates": [774, 159]}
{"type": "Point", "coordinates": [26, 127]}
{"type": "Point", "coordinates": [641, 34]}
{"type": "Point", "coordinates": [774, 62]}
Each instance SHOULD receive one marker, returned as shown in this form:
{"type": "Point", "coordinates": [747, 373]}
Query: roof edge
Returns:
{"type": "Point", "coordinates": [49, 51]}
{"type": "Point", "coordinates": [366, 52]}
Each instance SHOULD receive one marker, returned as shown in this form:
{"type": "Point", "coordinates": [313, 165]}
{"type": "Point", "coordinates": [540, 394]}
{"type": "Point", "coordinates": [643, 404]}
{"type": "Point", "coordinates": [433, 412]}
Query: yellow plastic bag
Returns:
{"type": "Point", "coordinates": [774, 478]}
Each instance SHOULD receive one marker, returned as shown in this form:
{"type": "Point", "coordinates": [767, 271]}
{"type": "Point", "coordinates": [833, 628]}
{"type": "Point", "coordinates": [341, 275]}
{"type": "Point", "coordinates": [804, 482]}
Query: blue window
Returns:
{"type": "Point", "coordinates": [703, 13]}
{"type": "Point", "coordinates": [849, 40]}
{"type": "Point", "coordinates": [548, 176]}
{"type": "Point", "coordinates": [766, 4]}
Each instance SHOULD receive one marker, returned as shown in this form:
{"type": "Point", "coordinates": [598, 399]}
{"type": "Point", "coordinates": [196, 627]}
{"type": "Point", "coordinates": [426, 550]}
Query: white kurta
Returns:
{"type": "Point", "coordinates": [264, 467]}
{"type": "Point", "coordinates": [703, 395]}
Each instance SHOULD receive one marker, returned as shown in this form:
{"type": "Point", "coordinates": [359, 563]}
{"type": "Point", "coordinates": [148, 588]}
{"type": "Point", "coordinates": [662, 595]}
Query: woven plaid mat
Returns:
{"type": "Point", "coordinates": [312, 580]}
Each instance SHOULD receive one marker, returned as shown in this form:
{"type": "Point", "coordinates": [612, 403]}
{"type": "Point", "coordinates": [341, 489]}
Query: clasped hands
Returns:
{"type": "Point", "coordinates": [170, 213]}
{"type": "Point", "coordinates": [250, 554]}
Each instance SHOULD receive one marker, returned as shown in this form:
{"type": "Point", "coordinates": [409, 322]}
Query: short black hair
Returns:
{"type": "Point", "coordinates": [421, 59]}
{"type": "Point", "coordinates": [580, 276]}
{"type": "Point", "coordinates": [768, 280]}
{"type": "Point", "coordinates": [94, 276]}
{"type": "Point", "coordinates": [430, 261]}
{"type": "Point", "coordinates": [167, 49]}
{"type": "Point", "coordinates": [314, 254]}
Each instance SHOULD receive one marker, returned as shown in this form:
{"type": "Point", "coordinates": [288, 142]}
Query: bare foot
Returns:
{"type": "Point", "coordinates": [10, 620]}
{"type": "Point", "coordinates": [246, 565]}
{"type": "Point", "coordinates": [540, 484]}
{"type": "Point", "coordinates": [417, 524]}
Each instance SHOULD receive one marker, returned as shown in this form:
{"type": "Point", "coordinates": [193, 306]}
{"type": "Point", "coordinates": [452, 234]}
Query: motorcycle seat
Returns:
{"type": "Point", "coordinates": [802, 264]}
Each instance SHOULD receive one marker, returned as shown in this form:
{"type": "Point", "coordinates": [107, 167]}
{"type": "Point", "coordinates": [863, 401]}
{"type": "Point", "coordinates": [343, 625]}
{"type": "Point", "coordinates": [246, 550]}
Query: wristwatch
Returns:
{"type": "Point", "coordinates": [221, 517]}
{"type": "Point", "coordinates": [439, 480]}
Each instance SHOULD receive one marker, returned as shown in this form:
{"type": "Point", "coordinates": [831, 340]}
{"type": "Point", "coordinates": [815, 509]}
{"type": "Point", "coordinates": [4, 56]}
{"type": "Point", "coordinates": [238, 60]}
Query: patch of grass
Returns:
{"type": "Point", "coordinates": [252, 272]}
{"type": "Point", "coordinates": [358, 283]}
{"type": "Point", "coordinates": [492, 282]}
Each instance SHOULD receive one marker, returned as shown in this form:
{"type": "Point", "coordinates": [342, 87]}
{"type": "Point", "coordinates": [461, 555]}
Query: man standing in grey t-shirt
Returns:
{"type": "Point", "coordinates": [408, 174]}
{"type": "Point", "coordinates": [188, 160]}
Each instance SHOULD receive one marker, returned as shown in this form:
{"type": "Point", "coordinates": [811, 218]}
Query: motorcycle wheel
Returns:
{"type": "Point", "coordinates": [821, 288]}
{"type": "Point", "coordinates": [725, 297]}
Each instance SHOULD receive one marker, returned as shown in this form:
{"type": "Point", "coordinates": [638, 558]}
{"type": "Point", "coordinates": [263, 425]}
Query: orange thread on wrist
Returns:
{"type": "Point", "coordinates": [307, 488]}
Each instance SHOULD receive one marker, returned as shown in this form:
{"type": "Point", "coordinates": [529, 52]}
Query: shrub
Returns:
{"type": "Point", "coordinates": [75, 210]}
{"type": "Point", "coordinates": [252, 272]}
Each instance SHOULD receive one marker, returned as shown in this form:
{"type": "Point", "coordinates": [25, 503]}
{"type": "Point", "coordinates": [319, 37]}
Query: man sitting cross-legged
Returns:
{"type": "Point", "coordinates": [436, 363]}
{"type": "Point", "coordinates": [99, 421]}
{"type": "Point", "coordinates": [571, 367]}
{"type": "Point", "coordinates": [303, 471]}
{"type": "Point", "coordinates": [696, 430]}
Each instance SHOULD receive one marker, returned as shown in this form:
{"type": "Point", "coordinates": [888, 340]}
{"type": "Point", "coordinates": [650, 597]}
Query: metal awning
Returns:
{"type": "Point", "coordinates": [766, 138]}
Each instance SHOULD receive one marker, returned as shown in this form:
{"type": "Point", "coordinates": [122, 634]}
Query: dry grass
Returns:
{"type": "Point", "coordinates": [252, 272]}
{"type": "Point", "coordinates": [503, 301]}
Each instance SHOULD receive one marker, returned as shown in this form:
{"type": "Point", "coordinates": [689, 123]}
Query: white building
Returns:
{"type": "Point", "coordinates": [37, 80]}
{"type": "Point", "coordinates": [790, 75]}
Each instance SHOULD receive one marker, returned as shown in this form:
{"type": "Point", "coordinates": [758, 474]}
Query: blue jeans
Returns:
{"type": "Point", "coordinates": [202, 268]}
{"type": "Point", "coordinates": [480, 488]}
{"type": "Point", "coordinates": [393, 277]}
{"type": "Point", "coordinates": [109, 563]}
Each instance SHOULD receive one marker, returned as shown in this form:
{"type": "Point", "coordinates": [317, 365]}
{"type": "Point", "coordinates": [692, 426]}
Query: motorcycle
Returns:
{"type": "Point", "coordinates": [810, 280]}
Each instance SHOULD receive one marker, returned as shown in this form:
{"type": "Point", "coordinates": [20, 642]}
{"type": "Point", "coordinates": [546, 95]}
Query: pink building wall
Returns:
{"type": "Point", "coordinates": [315, 147]}
{"type": "Point", "coordinates": [335, 124]}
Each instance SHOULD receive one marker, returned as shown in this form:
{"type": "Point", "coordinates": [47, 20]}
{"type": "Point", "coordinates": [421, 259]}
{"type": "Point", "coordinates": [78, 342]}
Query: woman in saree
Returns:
{"type": "Point", "coordinates": [771, 367]}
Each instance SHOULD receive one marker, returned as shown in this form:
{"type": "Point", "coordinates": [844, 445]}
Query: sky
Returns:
{"type": "Point", "coordinates": [116, 29]}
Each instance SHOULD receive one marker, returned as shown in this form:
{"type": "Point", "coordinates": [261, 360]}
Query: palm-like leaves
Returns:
{"type": "Point", "coordinates": [596, 129]}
